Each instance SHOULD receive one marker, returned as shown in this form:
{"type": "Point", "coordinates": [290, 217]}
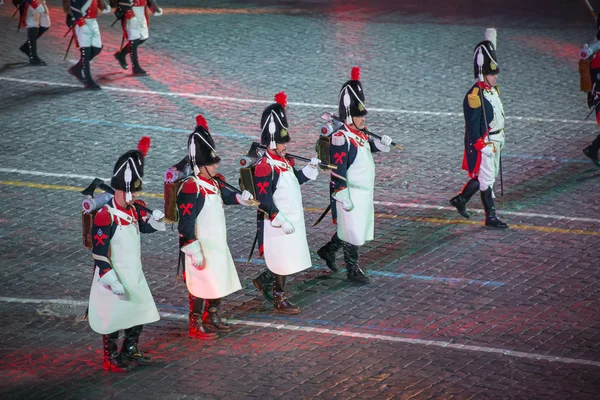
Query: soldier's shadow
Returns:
{"type": "Point", "coordinates": [9, 66]}
{"type": "Point", "coordinates": [40, 95]}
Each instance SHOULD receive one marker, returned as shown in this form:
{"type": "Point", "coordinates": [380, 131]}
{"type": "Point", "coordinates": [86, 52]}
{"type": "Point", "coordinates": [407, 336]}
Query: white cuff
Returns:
{"type": "Point", "coordinates": [109, 278]}
{"type": "Point", "coordinates": [278, 220]}
{"type": "Point", "coordinates": [310, 172]}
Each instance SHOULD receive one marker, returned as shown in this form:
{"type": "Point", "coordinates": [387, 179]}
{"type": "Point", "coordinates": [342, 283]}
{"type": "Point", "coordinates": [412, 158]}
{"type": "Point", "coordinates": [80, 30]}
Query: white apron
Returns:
{"type": "Point", "coordinates": [357, 225]}
{"type": "Point", "coordinates": [286, 254]}
{"type": "Point", "coordinates": [108, 312]}
{"type": "Point", "coordinates": [219, 276]}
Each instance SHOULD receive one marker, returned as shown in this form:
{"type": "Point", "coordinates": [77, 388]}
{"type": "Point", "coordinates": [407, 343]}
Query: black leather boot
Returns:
{"type": "Point", "coordinates": [353, 271]}
{"type": "Point", "coordinates": [211, 318]}
{"type": "Point", "coordinates": [491, 221]}
{"type": "Point", "coordinates": [197, 328]}
{"type": "Point", "coordinates": [77, 71]}
{"type": "Point", "coordinates": [130, 351]}
{"type": "Point", "coordinates": [86, 57]}
{"type": "Point", "coordinates": [264, 283]}
{"type": "Point", "coordinates": [135, 61]}
{"type": "Point", "coordinates": [591, 151]}
{"type": "Point", "coordinates": [121, 56]}
{"type": "Point", "coordinates": [112, 359]}
{"type": "Point", "coordinates": [30, 47]}
{"type": "Point", "coordinates": [327, 252]}
{"type": "Point", "coordinates": [281, 303]}
{"type": "Point", "coordinates": [460, 201]}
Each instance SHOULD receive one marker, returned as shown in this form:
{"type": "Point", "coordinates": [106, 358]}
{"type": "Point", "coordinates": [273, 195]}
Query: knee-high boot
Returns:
{"type": "Point", "coordinates": [491, 220]}
{"type": "Point", "coordinates": [353, 271]}
{"type": "Point", "coordinates": [135, 61]}
{"type": "Point", "coordinates": [264, 283]}
{"type": "Point", "coordinates": [281, 303]}
{"type": "Point", "coordinates": [112, 359]}
{"type": "Point", "coordinates": [211, 317]}
{"type": "Point", "coordinates": [86, 57]}
{"type": "Point", "coordinates": [327, 252]}
{"type": "Point", "coordinates": [30, 46]}
{"type": "Point", "coordinates": [460, 201]}
{"type": "Point", "coordinates": [130, 351]}
{"type": "Point", "coordinates": [197, 328]}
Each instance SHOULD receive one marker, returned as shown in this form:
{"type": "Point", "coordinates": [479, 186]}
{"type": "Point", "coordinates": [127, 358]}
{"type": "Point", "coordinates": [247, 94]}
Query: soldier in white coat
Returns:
{"type": "Point", "coordinates": [120, 298]}
{"type": "Point", "coordinates": [353, 182]}
{"type": "Point", "coordinates": [281, 230]}
{"type": "Point", "coordinates": [210, 272]}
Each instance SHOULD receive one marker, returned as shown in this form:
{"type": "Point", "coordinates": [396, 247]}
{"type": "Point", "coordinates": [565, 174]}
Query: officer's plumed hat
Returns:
{"type": "Point", "coordinates": [485, 61]}
{"type": "Point", "coordinates": [201, 146]}
{"type": "Point", "coordinates": [352, 98]}
{"type": "Point", "coordinates": [129, 169]}
{"type": "Point", "coordinates": [274, 123]}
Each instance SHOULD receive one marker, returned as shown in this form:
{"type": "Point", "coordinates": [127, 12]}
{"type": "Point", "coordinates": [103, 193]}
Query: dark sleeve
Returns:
{"type": "Point", "coordinates": [103, 230]}
{"type": "Point", "coordinates": [189, 204]}
{"type": "Point", "coordinates": [475, 129]}
{"type": "Point", "coordinates": [299, 174]}
{"type": "Point", "coordinates": [263, 186]}
{"type": "Point", "coordinates": [153, 6]}
{"type": "Point", "coordinates": [338, 156]}
{"type": "Point", "coordinates": [229, 196]}
{"type": "Point", "coordinates": [125, 6]}
{"type": "Point", "coordinates": [76, 8]}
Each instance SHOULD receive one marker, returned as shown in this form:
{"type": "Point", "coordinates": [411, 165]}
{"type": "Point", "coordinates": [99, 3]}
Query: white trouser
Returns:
{"type": "Point", "coordinates": [490, 165]}
{"type": "Point", "coordinates": [137, 27]}
{"type": "Point", "coordinates": [88, 35]}
{"type": "Point", "coordinates": [33, 19]}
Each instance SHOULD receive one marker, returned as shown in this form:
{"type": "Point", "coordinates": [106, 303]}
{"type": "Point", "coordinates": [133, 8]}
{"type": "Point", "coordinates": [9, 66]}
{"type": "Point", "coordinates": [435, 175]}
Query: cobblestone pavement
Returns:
{"type": "Point", "coordinates": [455, 310]}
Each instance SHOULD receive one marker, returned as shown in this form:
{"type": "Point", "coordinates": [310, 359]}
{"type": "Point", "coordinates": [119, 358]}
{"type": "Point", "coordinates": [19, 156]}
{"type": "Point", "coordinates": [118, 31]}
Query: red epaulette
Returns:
{"type": "Point", "coordinates": [103, 218]}
{"type": "Point", "coordinates": [142, 213]}
{"type": "Point", "coordinates": [189, 187]}
{"type": "Point", "coordinates": [263, 168]}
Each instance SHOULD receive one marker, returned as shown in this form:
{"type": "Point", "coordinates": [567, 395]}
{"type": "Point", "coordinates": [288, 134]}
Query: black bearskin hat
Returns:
{"type": "Point", "coordinates": [274, 123]}
{"type": "Point", "coordinates": [485, 61]}
{"type": "Point", "coordinates": [352, 98]}
{"type": "Point", "coordinates": [201, 146]}
{"type": "Point", "coordinates": [129, 169]}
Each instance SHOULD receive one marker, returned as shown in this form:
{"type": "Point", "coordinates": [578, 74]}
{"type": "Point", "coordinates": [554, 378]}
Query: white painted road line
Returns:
{"type": "Point", "coordinates": [337, 332]}
{"type": "Point", "coordinates": [298, 104]}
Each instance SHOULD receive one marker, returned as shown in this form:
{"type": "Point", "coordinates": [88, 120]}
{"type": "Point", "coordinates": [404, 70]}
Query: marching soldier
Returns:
{"type": "Point", "coordinates": [593, 97]}
{"type": "Point", "coordinates": [120, 298]}
{"type": "Point", "coordinates": [281, 230]}
{"type": "Point", "coordinates": [134, 22]}
{"type": "Point", "coordinates": [484, 133]}
{"type": "Point", "coordinates": [210, 273]}
{"type": "Point", "coordinates": [352, 183]}
{"type": "Point", "coordinates": [35, 16]}
{"type": "Point", "coordinates": [87, 32]}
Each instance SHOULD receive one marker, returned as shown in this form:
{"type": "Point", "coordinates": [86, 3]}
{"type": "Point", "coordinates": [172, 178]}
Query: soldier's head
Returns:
{"type": "Point", "coordinates": [129, 171]}
{"type": "Point", "coordinates": [352, 100]}
{"type": "Point", "coordinates": [485, 61]}
{"type": "Point", "coordinates": [201, 150]}
{"type": "Point", "coordinates": [274, 124]}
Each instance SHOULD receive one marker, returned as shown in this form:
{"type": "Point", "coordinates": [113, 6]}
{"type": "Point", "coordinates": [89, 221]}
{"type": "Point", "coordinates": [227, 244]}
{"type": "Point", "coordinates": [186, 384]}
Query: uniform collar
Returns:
{"type": "Point", "coordinates": [275, 156]}
{"type": "Point", "coordinates": [483, 85]}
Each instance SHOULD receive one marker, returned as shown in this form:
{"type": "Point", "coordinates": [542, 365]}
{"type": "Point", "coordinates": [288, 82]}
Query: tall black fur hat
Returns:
{"type": "Point", "coordinates": [129, 169]}
{"type": "Point", "coordinates": [485, 61]}
{"type": "Point", "coordinates": [201, 146]}
{"type": "Point", "coordinates": [274, 123]}
{"type": "Point", "coordinates": [352, 98]}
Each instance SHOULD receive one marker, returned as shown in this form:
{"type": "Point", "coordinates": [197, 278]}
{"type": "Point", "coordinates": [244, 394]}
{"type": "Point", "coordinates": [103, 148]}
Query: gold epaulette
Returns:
{"type": "Point", "coordinates": [474, 99]}
{"type": "Point", "coordinates": [497, 89]}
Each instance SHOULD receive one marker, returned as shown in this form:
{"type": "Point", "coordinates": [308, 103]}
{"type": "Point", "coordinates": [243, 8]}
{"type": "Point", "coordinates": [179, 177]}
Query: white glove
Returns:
{"type": "Point", "coordinates": [280, 221]}
{"type": "Point", "coordinates": [488, 150]}
{"type": "Point", "coordinates": [343, 196]}
{"type": "Point", "coordinates": [383, 144]}
{"type": "Point", "coordinates": [41, 9]}
{"type": "Point", "coordinates": [155, 220]}
{"type": "Point", "coordinates": [107, 10]}
{"type": "Point", "coordinates": [385, 140]}
{"type": "Point", "coordinates": [193, 250]}
{"type": "Point", "coordinates": [158, 13]}
{"type": "Point", "coordinates": [244, 198]}
{"type": "Point", "coordinates": [110, 279]}
{"type": "Point", "coordinates": [311, 171]}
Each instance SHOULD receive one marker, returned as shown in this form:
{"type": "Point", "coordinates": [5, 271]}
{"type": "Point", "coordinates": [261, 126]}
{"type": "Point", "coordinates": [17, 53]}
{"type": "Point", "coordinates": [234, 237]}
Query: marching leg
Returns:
{"type": "Point", "coordinates": [197, 328]}
{"type": "Point", "coordinates": [112, 359]}
{"type": "Point", "coordinates": [264, 283]}
{"type": "Point", "coordinates": [592, 151]}
{"type": "Point", "coordinates": [86, 56]}
{"type": "Point", "coordinates": [121, 56]}
{"type": "Point", "coordinates": [32, 35]}
{"type": "Point", "coordinates": [281, 303]}
{"type": "Point", "coordinates": [353, 271]}
{"type": "Point", "coordinates": [136, 69]}
{"type": "Point", "coordinates": [211, 318]}
{"type": "Point", "coordinates": [491, 220]}
{"type": "Point", "coordinates": [130, 351]}
{"type": "Point", "coordinates": [460, 201]}
{"type": "Point", "coordinates": [327, 252]}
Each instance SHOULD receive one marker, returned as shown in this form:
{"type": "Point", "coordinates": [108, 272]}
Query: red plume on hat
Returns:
{"type": "Point", "coordinates": [200, 121]}
{"type": "Point", "coordinates": [355, 74]}
{"type": "Point", "coordinates": [144, 145]}
{"type": "Point", "coordinates": [281, 98]}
